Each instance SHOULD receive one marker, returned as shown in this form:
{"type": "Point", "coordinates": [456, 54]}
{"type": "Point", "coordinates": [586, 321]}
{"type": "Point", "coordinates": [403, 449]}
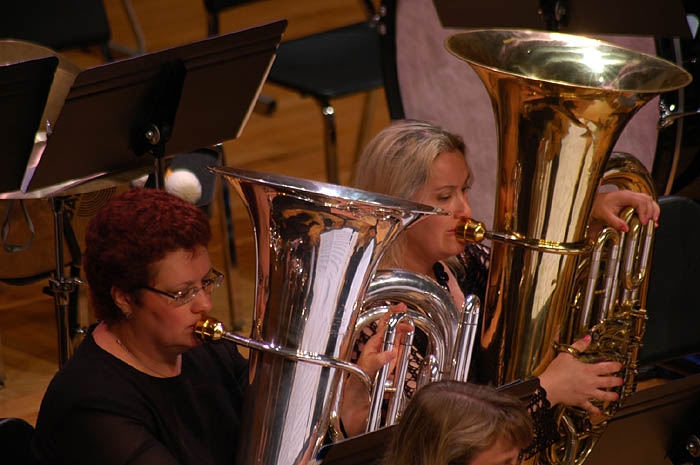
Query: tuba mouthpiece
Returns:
{"type": "Point", "coordinates": [209, 330]}
{"type": "Point", "coordinates": [470, 230]}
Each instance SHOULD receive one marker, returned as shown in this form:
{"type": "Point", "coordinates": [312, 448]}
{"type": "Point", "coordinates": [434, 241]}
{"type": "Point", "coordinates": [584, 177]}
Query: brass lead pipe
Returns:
{"type": "Point", "coordinates": [471, 230]}
{"type": "Point", "coordinates": [212, 330]}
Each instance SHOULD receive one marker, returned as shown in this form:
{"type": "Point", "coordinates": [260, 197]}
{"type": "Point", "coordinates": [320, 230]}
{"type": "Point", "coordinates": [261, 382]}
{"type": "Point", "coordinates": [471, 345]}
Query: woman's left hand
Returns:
{"type": "Point", "coordinates": [569, 381]}
{"type": "Point", "coordinates": [354, 407]}
{"type": "Point", "coordinates": [608, 205]}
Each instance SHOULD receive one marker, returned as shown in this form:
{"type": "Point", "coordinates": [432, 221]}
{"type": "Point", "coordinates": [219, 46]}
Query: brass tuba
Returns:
{"type": "Point", "coordinates": [560, 103]}
{"type": "Point", "coordinates": [317, 247]}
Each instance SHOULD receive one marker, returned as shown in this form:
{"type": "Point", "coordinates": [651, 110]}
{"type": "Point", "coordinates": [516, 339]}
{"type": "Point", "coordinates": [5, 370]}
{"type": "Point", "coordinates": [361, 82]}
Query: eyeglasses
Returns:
{"type": "Point", "coordinates": [180, 298]}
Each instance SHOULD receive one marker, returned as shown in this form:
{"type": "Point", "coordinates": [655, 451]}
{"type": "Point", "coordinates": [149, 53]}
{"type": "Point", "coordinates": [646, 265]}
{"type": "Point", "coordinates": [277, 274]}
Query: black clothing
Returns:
{"type": "Point", "coordinates": [100, 410]}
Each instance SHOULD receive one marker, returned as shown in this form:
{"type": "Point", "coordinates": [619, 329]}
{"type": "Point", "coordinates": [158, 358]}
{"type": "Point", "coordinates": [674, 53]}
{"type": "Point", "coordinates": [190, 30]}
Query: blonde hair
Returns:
{"type": "Point", "coordinates": [448, 422]}
{"type": "Point", "coordinates": [398, 161]}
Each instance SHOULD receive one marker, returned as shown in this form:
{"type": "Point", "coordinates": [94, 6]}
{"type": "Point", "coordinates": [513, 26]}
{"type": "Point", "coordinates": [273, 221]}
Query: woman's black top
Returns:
{"type": "Point", "coordinates": [98, 409]}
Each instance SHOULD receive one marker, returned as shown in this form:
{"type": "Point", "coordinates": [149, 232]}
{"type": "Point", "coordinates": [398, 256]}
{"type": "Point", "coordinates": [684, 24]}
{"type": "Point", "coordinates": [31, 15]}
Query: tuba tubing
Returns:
{"type": "Point", "coordinates": [451, 333]}
{"type": "Point", "coordinates": [318, 246]}
{"type": "Point", "coordinates": [380, 384]}
{"type": "Point", "coordinates": [560, 103]}
{"type": "Point", "coordinates": [212, 330]}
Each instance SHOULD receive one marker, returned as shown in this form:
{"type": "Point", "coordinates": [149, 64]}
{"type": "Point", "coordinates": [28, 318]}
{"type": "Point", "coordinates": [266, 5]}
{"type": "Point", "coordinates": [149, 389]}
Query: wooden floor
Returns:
{"type": "Point", "coordinates": [289, 142]}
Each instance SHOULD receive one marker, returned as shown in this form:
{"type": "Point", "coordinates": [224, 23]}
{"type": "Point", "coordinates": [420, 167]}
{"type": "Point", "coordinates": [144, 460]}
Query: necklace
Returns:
{"type": "Point", "coordinates": [133, 355]}
{"type": "Point", "coordinates": [441, 275]}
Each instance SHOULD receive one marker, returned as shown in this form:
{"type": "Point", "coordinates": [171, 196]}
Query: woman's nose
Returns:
{"type": "Point", "coordinates": [462, 208]}
{"type": "Point", "coordinates": [202, 303]}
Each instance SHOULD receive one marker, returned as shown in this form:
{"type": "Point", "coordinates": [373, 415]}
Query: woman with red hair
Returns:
{"type": "Point", "coordinates": [140, 389]}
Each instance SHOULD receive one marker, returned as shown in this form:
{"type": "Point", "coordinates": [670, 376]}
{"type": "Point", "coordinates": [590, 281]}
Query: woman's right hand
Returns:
{"type": "Point", "coordinates": [569, 381]}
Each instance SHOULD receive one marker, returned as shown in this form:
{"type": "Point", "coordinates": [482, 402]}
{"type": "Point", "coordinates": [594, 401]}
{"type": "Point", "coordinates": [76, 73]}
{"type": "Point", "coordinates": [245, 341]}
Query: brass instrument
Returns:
{"type": "Point", "coordinates": [318, 246]}
{"type": "Point", "coordinates": [560, 103]}
{"type": "Point", "coordinates": [451, 333]}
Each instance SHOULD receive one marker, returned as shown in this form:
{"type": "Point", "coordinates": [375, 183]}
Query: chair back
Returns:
{"type": "Point", "coordinates": [57, 25]}
{"type": "Point", "coordinates": [15, 440]}
{"type": "Point", "coordinates": [673, 305]}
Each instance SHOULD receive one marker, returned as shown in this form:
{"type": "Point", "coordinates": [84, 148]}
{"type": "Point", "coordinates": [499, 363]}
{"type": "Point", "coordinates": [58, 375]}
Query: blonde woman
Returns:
{"type": "Point", "coordinates": [422, 162]}
{"type": "Point", "coordinates": [452, 423]}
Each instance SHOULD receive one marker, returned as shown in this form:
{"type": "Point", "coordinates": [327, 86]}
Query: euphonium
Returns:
{"type": "Point", "coordinates": [560, 103]}
{"type": "Point", "coordinates": [317, 247]}
{"type": "Point", "coordinates": [450, 332]}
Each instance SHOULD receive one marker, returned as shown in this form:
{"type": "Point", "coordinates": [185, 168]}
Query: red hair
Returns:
{"type": "Point", "coordinates": [131, 232]}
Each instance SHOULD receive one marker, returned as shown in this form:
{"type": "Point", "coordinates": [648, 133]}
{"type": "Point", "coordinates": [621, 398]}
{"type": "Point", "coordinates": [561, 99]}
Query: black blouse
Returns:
{"type": "Point", "coordinates": [98, 409]}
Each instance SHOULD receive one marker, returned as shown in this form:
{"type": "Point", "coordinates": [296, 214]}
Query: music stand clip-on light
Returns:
{"type": "Point", "coordinates": [67, 131]}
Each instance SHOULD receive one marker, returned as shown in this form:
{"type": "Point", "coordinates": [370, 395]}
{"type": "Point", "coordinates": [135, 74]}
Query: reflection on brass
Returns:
{"type": "Point", "coordinates": [560, 103]}
{"type": "Point", "coordinates": [450, 331]}
{"type": "Point", "coordinates": [209, 330]}
{"type": "Point", "coordinates": [317, 246]}
{"type": "Point", "coordinates": [469, 230]}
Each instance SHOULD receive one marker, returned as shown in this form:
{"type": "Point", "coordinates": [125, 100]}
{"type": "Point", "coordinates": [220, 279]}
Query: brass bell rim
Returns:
{"type": "Point", "coordinates": [303, 188]}
{"type": "Point", "coordinates": [16, 51]}
{"type": "Point", "coordinates": [682, 78]}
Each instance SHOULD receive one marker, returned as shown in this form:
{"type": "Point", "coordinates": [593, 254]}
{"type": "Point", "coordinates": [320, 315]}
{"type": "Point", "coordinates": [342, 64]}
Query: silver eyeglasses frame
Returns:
{"type": "Point", "coordinates": [180, 298]}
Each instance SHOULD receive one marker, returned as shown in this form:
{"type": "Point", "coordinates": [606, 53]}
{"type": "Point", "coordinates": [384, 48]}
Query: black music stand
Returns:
{"type": "Point", "coordinates": [161, 104]}
{"type": "Point", "coordinates": [627, 17]}
{"type": "Point", "coordinates": [24, 91]}
{"type": "Point", "coordinates": [653, 426]}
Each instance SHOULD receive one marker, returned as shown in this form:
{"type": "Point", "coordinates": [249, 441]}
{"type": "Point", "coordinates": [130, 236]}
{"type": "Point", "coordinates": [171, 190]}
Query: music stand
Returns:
{"type": "Point", "coordinates": [626, 17]}
{"type": "Point", "coordinates": [651, 425]}
{"type": "Point", "coordinates": [161, 104]}
{"type": "Point", "coordinates": [24, 90]}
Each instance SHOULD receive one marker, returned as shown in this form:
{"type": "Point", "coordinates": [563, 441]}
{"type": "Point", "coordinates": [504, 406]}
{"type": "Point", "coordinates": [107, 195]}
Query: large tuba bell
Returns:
{"type": "Point", "coordinates": [560, 103]}
{"type": "Point", "coordinates": [318, 246]}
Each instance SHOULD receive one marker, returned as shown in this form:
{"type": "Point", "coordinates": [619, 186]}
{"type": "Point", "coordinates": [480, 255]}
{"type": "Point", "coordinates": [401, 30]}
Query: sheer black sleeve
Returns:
{"type": "Point", "coordinates": [544, 423]}
{"type": "Point", "coordinates": [471, 269]}
{"type": "Point", "coordinates": [116, 440]}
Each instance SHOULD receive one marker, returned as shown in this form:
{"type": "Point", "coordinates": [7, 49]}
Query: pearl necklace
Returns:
{"type": "Point", "coordinates": [133, 355]}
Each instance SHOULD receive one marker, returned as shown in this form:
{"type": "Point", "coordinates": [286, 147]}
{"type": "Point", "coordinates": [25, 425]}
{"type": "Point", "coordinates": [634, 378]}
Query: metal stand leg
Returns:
{"type": "Point", "coordinates": [61, 286]}
{"type": "Point", "coordinates": [330, 142]}
{"type": "Point", "coordinates": [365, 123]}
{"type": "Point", "coordinates": [136, 28]}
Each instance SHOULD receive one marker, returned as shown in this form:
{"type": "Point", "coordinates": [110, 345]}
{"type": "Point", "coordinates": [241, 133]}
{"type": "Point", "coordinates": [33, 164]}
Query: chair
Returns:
{"type": "Point", "coordinates": [15, 440]}
{"type": "Point", "coordinates": [672, 303]}
{"type": "Point", "coordinates": [58, 25]}
{"type": "Point", "coordinates": [327, 65]}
